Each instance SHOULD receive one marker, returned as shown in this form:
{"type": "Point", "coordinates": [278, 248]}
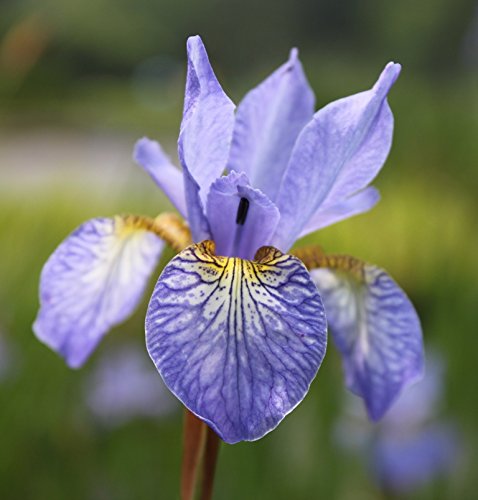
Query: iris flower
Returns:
{"type": "Point", "coordinates": [236, 326]}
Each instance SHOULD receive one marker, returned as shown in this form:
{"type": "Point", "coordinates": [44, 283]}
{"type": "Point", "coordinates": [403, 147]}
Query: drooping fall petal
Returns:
{"type": "Point", "coordinates": [237, 341]}
{"type": "Point", "coordinates": [93, 281]}
{"type": "Point", "coordinates": [376, 329]}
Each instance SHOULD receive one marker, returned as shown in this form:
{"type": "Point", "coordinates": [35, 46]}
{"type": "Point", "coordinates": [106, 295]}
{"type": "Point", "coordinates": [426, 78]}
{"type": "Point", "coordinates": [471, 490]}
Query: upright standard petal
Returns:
{"type": "Point", "coordinates": [242, 219]}
{"type": "Point", "coordinates": [375, 328]}
{"type": "Point", "coordinates": [93, 281]}
{"type": "Point", "coordinates": [151, 157]}
{"type": "Point", "coordinates": [337, 154]}
{"type": "Point", "coordinates": [268, 121]}
{"type": "Point", "coordinates": [196, 217]}
{"type": "Point", "coordinates": [208, 120]}
{"type": "Point", "coordinates": [357, 204]}
{"type": "Point", "coordinates": [237, 341]}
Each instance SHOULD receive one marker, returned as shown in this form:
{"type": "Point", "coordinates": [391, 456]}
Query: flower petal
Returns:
{"type": "Point", "coordinates": [337, 154]}
{"type": "Point", "coordinates": [208, 120]}
{"type": "Point", "coordinates": [151, 157]}
{"type": "Point", "coordinates": [358, 203]}
{"type": "Point", "coordinates": [419, 403]}
{"type": "Point", "coordinates": [375, 328]}
{"type": "Point", "coordinates": [196, 217]}
{"type": "Point", "coordinates": [242, 219]}
{"type": "Point", "coordinates": [93, 281]}
{"type": "Point", "coordinates": [268, 121]}
{"type": "Point", "coordinates": [238, 342]}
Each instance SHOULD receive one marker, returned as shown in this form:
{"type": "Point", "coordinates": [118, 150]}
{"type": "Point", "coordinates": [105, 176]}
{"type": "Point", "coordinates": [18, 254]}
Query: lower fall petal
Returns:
{"type": "Point", "coordinates": [93, 281]}
{"type": "Point", "coordinates": [375, 328]}
{"type": "Point", "coordinates": [237, 341]}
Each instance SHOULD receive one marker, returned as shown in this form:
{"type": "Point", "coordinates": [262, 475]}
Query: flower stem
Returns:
{"type": "Point", "coordinates": [193, 447]}
{"type": "Point", "coordinates": [209, 465]}
{"type": "Point", "coordinates": [200, 451]}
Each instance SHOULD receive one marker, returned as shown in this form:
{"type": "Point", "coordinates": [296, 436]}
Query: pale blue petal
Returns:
{"type": "Point", "coordinates": [237, 342]}
{"type": "Point", "coordinates": [268, 121]}
{"type": "Point", "coordinates": [149, 155]}
{"type": "Point", "coordinates": [357, 204]}
{"type": "Point", "coordinates": [93, 281]}
{"type": "Point", "coordinates": [208, 120]}
{"type": "Point", "coordinates": [377, 331]}
{"type": "Point", "coordinates": [244, 236]}
{"type": "Point", "coordinates": [197, 220]}
{"type": "Point", "coordinates": [337, 154]}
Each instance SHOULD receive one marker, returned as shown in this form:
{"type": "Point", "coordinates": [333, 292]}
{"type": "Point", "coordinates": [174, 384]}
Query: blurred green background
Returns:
{"type": "Point", "coordinates": [81, 81]}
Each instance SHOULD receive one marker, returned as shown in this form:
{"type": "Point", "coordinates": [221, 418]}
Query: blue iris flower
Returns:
{"type": "Point", "coordinates": [236, 326]}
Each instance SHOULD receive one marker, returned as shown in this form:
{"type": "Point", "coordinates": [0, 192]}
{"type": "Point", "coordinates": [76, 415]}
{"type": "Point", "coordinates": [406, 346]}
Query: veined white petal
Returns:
{"type": "Point", "coordinates": [377, 331]}
{"type": "Point", "coordinates": [93, 281]}
{"type": "Point", "coordinates": [237, 341]}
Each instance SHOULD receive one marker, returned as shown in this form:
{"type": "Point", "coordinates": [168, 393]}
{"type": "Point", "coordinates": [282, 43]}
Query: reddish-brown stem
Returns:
{"type": "Point", "coordinates": [195, 432]}
{"type": "Point", "coordinates": [209, 465]}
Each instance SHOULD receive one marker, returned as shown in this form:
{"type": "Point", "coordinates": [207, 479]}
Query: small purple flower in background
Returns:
{"type": "Point", "coordinates": [411, 446]}
{"type": "Point", "coordinates": [124, 385]}
{"type": "Point", "coordinates": [236, 326]}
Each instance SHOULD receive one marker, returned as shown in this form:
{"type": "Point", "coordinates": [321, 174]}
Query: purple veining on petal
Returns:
{"type": "Point", "coordinates": [152, 158]}
{"type": "Point", "coordinates": [268, 121]}
{"type": "Point", "coordinates": [241, 239]}
{"type": "Point", "coordinates": [377, 331]}
{"type": "Point", "coordinates": [237, 342]}
{"type": "Point", "coordinates": [208, 120]}
{"type": "Point", "coordinates": [337, 154]}
{"type": "Point", "coordinates": [93, 281]}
